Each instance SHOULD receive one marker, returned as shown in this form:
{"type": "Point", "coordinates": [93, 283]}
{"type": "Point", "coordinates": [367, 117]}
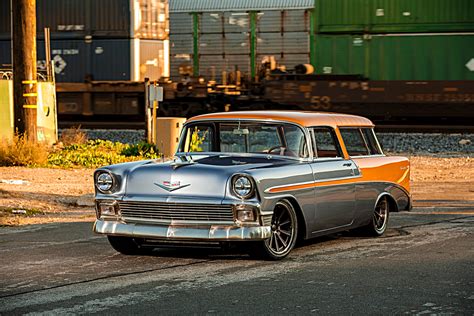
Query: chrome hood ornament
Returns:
{"type": "Point", "coordinates": [171, 186]}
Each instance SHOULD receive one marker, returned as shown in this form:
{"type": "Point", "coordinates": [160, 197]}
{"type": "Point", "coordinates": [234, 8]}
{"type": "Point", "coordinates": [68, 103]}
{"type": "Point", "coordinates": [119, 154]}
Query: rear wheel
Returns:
{"type": "Point", "coordinates": [284, 232]}
{"type": "Point", "coordinates": [125, 245]}
{"type": "Point", "coordinates": [379, 221]}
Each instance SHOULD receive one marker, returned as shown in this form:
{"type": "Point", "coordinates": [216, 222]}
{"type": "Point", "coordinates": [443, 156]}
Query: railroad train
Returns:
{"type": "Point", "coordinates": [394, 61]}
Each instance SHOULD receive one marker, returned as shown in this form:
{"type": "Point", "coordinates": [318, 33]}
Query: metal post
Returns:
{"type": "Point", "coordinates": [148, 117]}
{"type": "Point", "coordinates": [253, 43]}
{"type": "Point", "coordinates": [195, 44]}
{"type": "Point", "coordinates": [312, 43]}
{"type": "Point", "coordinates": [24, 67]}
{"type": "Point", "coordinates": [47, 49]}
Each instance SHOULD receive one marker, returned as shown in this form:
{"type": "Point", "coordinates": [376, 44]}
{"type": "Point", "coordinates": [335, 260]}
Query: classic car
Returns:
{"type": "Point", "coordinates": [260, 179]}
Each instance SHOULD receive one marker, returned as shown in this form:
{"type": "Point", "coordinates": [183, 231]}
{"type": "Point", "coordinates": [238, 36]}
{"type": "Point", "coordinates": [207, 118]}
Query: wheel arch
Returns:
{"type": "Point", "coordinates": [299, 216]}
{"type": "Point", "coordinates": [393, 206]}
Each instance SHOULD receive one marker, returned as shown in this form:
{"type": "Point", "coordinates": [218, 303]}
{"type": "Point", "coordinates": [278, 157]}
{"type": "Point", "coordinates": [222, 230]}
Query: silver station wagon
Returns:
{"type": "Point", "coordinates": [263, 179]}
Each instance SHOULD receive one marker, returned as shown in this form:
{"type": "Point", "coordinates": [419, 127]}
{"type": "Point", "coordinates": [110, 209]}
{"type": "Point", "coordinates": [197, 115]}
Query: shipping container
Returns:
{"type": "Point", "coordinates": [100, 60]}
{"type": "Point", "coordinates": [78, 19]}
{"type": "Point", "coordinates": [397, 57]}
{"type": "Point", "coordinates": [223, 37]}
{"type": "Point", "coordinates": [393, 16]}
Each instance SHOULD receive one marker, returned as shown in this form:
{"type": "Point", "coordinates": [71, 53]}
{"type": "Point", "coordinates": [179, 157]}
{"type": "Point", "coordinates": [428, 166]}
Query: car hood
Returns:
{"type": "Point", "coordinates": [206, 178]}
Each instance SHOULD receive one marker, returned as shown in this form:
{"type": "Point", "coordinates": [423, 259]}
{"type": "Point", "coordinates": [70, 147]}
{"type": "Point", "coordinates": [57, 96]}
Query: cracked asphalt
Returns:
{"type": "Point", "coordinates": [423, 265]}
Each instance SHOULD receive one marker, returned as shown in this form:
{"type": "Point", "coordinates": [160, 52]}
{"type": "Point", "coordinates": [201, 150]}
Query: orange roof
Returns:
{"type": "Point", "coordinates": [304, 118]}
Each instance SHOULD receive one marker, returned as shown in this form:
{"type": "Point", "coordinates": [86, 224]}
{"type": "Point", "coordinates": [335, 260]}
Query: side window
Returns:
{"type": "Point", "coordinates": [325, 143]}
{"type": "Point", "coordinates": [295, 141]}
{"type": "Point", "coordinates": [371, 141]}
{"type": "Point", "coordinates": [355, 143]}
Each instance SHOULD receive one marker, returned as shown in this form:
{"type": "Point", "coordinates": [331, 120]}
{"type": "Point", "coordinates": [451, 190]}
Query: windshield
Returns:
{"type": "Point", "coordinates": [244, 137]}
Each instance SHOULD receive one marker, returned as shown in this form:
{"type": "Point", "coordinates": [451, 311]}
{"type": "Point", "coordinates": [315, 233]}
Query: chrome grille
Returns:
{"type": "Point", "coordinates": [163, 211]}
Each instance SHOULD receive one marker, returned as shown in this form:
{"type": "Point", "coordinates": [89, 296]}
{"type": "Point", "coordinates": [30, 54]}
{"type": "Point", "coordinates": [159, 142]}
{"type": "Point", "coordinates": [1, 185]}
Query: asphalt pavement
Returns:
{"type": "Point", "coordinates": [423, 265]}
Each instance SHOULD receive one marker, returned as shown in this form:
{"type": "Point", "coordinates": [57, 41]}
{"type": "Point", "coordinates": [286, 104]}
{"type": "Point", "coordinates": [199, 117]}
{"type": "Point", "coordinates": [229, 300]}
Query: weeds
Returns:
{"type": "Point", "coordinates": [75, 151]}
{"type": "Point", "coordinates": [73, 135]}
{"type": "Point", "coordinates": [21, 152]}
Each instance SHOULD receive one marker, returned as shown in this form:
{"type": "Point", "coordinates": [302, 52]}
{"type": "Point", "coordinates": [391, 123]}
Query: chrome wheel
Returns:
{"type": "Point", "coordinates": [380, 216]}
{"type": "Point", "coordinates": [284, 231]}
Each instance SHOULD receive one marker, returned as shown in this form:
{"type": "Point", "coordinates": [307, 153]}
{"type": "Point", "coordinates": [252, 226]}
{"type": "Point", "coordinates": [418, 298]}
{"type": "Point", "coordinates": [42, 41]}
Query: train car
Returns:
{"type": "Point", "coordinates": [102, 52]}
{"type": "Point", "coordinates": [389, 60]}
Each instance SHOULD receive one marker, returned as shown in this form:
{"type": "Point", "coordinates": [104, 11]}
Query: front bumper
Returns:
{"type": "Point", "coordinates": [182, 232]}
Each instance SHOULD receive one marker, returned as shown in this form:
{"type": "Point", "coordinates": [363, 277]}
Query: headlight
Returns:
{"type": "Point", "coordinates": [242, 186]}
{"type": "Point", "coordinates": [104, 182]}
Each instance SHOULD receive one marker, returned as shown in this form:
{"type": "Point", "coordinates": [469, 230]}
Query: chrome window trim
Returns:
{"type": "Point", "coordinates": [368, 156]}
{"type": "Point", "coordinates": [377, 142]}
{"type": "Point", "coordinates": [304, 129]}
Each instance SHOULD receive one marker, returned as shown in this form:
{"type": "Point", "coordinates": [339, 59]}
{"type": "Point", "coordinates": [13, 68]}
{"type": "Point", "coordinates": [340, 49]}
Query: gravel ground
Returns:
{"type": "Point", "coordinates": [413, 143]}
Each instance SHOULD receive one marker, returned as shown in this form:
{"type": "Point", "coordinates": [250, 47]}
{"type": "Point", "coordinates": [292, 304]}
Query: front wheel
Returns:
{"type": "Point", "coordinates": [284, 233]}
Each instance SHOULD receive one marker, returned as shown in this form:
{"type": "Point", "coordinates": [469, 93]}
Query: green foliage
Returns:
{"type": "Point", "coordinates": [196, 140]}
{"type": "Point", "coordinates": [96, 153]}
{"type": "Point", "coordinates": [142, 149]}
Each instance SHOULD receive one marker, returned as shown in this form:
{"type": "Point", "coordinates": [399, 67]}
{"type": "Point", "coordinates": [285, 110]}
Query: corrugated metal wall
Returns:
{"type": "Point", "coordinates": [224, 40]}
{"type": "Point", "coordinates": [75, 19]}
{"type": "Point", "coordinates": [76, 60]}
{"type": "Point", "coordinates": [386, 16]}
{"type": "Point", "coordinates": [397, 57]}
{"type": "Point", "coordinates": [237, 5]}
{"type": "Point", "coordinates": [91, 39]}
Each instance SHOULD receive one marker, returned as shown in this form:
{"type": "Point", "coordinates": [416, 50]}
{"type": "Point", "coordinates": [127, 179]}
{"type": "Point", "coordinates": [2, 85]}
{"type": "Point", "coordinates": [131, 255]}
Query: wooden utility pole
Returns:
{"type": "Point", "coordinates": [24, 67]}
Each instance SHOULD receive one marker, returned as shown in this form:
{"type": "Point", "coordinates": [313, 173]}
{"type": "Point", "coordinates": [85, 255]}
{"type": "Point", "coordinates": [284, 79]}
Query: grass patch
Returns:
{"type": "Point", "coordinates": [20, 211]}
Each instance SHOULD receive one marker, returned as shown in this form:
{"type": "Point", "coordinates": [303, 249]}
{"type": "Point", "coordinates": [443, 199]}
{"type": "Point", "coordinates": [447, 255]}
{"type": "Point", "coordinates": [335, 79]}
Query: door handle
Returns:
{"type": "Point", "coordinates": [347, 164]}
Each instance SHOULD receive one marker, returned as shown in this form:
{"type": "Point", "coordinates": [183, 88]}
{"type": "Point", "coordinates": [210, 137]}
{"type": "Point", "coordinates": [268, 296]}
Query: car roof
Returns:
{"type": "Point", "coordinates": [304, 118]}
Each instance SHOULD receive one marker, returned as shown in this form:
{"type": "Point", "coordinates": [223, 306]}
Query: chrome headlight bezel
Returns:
{"type": "Point", "coordinates": [243, 186]}
{"type": "Point", "coordinates": [105, 182]}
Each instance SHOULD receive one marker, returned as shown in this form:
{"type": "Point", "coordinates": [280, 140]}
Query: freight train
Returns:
{"type": "Point", "coordinates": [393, 61]}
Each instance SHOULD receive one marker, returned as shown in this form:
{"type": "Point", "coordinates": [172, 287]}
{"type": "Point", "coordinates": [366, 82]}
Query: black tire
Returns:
{"type": "Point", "coordinates": [125, 245]}
{"type": "Point", "coordinates": [284, 234]}
{"type": "Point", "coordinates": [379, 222]}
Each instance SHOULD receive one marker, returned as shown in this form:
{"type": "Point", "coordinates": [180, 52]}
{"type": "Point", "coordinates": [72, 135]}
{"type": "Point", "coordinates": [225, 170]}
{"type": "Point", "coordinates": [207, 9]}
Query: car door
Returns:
{"type": "Point", "coordinates": [334, 185]}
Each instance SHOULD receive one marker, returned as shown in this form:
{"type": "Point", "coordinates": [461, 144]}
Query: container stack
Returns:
{"type": "Point", "coordinates": [395, 39]}
{"type": "Point", "coordinates": [215, 39]}
{"type": "Point", "coordinates": [378, 39]}
{"type": "Point", "coordinates": [99, 40]}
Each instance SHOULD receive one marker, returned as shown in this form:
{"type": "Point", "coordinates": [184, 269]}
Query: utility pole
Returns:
{"type": "Point", "coordinates": [24, 67]}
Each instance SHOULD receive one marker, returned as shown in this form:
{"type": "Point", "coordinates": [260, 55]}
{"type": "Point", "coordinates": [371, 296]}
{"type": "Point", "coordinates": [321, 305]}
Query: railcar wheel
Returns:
{"type": "Point", "coordinates": [284, 233]}
{"type": "Point", "coordinates": [379, 222]}
{"type": "Point", "coordinates": [125, 245]}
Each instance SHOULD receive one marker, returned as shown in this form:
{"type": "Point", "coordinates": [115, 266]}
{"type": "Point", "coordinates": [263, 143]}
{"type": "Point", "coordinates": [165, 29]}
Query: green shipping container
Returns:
{"type": "Point", "coordinates": [397, 57]}
{"type": "Point", "coordinates": [393, 16]}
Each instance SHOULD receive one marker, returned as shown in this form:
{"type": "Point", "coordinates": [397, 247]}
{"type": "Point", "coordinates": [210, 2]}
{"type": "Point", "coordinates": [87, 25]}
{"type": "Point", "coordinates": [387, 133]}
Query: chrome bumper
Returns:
{"type": "Point", "coordinates": [171, 232]}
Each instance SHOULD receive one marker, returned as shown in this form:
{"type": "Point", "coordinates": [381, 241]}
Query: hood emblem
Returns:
{"type": "Point", "coordinates": [171, 185]}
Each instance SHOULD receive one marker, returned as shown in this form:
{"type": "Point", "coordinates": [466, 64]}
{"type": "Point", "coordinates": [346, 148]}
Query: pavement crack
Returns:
{"type": "Point", "coordinates": [116, 275]}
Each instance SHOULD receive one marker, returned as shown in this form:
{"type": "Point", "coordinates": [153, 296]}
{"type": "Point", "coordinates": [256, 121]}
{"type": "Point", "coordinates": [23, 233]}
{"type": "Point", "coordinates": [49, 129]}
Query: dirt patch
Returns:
{"type": "Point", "coordinates": [38, 195]}
{"type": "Point", "coordinates": [442, 181]}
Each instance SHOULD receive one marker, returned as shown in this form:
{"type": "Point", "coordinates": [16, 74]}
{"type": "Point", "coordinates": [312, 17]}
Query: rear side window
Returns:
{"type": "Point", "coordinates": [325, 144]}
{"type": "Point", "coordinates": [354, 141]}
{"type": "Point", "coordinates": [371, 141]}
